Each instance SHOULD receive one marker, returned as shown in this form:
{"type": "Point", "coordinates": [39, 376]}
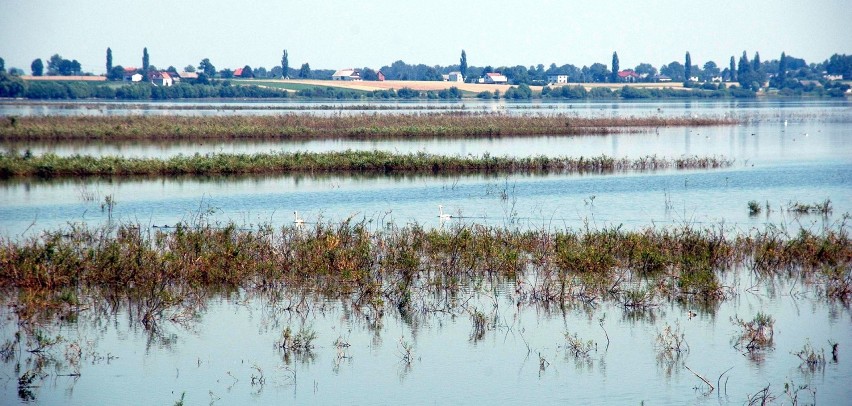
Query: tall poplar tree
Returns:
{"type": "Point", "coordinates": [109, 61]}
{"type": "Point", "coordinates": [463, 64]}
{"type": "Point", "coordinates": [687, 68]}
{"type": "Point", "coordinates": [782, 68]}
{"type": "Point", "coordinates": [145, 59]}
{"type": "Point", "coordinates": [285, 65]}
{"type": "Point", "coordinates": [614, 75]}
{"type": "Point", "coordinates": [733, 69]}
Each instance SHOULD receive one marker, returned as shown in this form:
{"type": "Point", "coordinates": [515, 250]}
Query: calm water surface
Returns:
{"type": "Point", "coordinates": [212, 357]}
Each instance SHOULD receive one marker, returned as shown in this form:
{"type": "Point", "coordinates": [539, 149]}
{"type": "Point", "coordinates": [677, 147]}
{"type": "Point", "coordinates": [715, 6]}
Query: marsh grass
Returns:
{"type": "Point", "coordinates": [823, 208]}
{"type": "Point", "coordinates": [166, 273]}
{"type": "Point", "coordinates": [362, 162]}
{"type": "Point", "coordinates": [359, 126]}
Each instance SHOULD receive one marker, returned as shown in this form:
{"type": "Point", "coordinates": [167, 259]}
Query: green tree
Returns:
{"type": "Point", "coordinates": [285, 65]}
{"type": "Point", "coordinates": [674, 70]}
{"type": "Point", "coordinates": [733, 70]}
{"type": "Point", "coordinates": [37, 67]}
{"type": "Point", "coordinates": [247, 72]}
{"type": "Point", "coordinates": [145, 59]}
{"type": "Point", "coordinates": [109, 60]}
{"type": "Point", "coordinates": [615, 68]}
{"type": "Point", "coordinates": [305, 71]}
{"type": "Point", "coordinates": [745, 72]}
{"type": "Point", "coordinates": [226, 73]}
{"type": "Point", "coordinates": [116, 73]}
{"type": "Point", "coordinates": [782, 68]}
{"type": "Point", "coordinates": [710, 71]}
{"type": "Point", "coordinates": [687, 68]}
{"type": "Point", "coordinates": [646, 70]}
{"type": "Point", "coordinates": [207, 67]}
{"type": "Point", "coordinates": [463, 64]}
{"type": "Point", "coordinates": [2, 65]}
{"type": "Point", "coordinates": [369, 74]}
{"type": "Point", "coordinates": [189, 68]}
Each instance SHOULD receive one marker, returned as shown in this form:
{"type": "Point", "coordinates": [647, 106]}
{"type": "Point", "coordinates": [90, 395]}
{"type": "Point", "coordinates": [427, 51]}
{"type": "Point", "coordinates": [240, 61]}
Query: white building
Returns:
{"type": "Point", "coordinates": [495, 78]}
{"type": "Point", "coordinates": [557, 78]}
{"type": "Point", "coordinates": [455, 77]}
{"type": "Point", "coordinates": [347, 75]}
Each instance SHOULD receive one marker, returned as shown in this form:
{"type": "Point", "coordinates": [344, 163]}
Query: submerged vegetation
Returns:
{"type": "Point", "coordinates": [53, 166]}
{"type": "Point", "coordinates": [360, 126]}
{"type": "Point", "coordinates": [395, 265]}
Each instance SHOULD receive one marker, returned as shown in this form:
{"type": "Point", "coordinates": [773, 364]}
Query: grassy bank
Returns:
{"type": "Point", "coordinates": [53, 166]}
{"type": "Point", "coordinates": [360, 126]}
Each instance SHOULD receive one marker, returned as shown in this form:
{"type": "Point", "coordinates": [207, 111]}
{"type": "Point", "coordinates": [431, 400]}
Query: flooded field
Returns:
{"type": "Point", "coordinates": [489, 340]}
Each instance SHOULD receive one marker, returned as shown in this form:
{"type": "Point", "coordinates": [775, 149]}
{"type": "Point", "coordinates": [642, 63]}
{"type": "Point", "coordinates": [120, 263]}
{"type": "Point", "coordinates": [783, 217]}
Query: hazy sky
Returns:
{"type": "Point", "coordinates": [341, 33]}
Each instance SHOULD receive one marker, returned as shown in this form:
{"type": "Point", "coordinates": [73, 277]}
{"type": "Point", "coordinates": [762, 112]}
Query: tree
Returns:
{"type": "Point", "coordinates": [58, 65]}
{"type": "Point", "coordinates": [710, 71]}
{"type": "Point", "coordinates": [782, 68]}
{"type": "Point", "coordinates": [759, 74]}
{"type": "Point", "coordinates": [614, 77]}
{"type": "Point", "coordinates": [369, 74]}
{"type": "Point", "coordinates": [109, 60]}
{"type": "Point", "coordinates": [145, 59]}
{"type": "Point", "coordinates": [463, 64]}
{"type": "Point", "coordinates": [598, 72]}
{"type": "Point", "coordinates": [37, 67]}
{"type": "Point", "coordinates": [745, 72]}
{"type": "Point", "coordinates": [116, 73]}
{"type": "Point", "coordinates": [645, 70]}
{"type": "Point", "coordinates": [247, 72]}
{"type": "Point", "coordinates": [207, 67]}
{"type": "Point", "coordinates": [226, 73]}
{"type": "Point", "coordinates": [305, 71]}
{"type": "Point", "coordinates": [674, 70]}
{"type": "Point", "coordinates": [2, 65]}
{"type": "Point", "coordinates": [285, 65]}
{"type": "Point", "coordinates": [189, 68]}
{"type": "Point", "coordinates": [687, 68]}
{"type": "Point", "coordinates": [733, 70]}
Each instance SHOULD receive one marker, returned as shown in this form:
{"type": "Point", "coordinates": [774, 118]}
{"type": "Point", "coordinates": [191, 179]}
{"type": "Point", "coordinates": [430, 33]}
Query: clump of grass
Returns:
{"type": "Point", "coordinates": [811, 360]}
{"type": "Point", "coordinates": [823, 207]}
{"type": "Point", "coordinates": [578, 348]}
{"type": "Point", "coordinates": [480, 325]}
{"type": "Point", "coordinates": [754, 208]}
{"type": "Point", "coordinates": [756, 334]}
{"type": "Point", "coordinates": [671, 343]}
{"type": "Point", "coordinates": [298, 343]}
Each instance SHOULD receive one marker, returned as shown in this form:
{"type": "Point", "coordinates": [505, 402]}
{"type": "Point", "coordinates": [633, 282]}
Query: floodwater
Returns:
{"type": "Point", "coordinates": [220, 354]}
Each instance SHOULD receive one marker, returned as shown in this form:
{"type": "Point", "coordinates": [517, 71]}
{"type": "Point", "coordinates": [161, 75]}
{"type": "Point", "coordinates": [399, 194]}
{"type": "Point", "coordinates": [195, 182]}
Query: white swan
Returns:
{"type": "Point", "coordinates": [441, 214]}
{"type": "Point", "coordinates": [296, 219]}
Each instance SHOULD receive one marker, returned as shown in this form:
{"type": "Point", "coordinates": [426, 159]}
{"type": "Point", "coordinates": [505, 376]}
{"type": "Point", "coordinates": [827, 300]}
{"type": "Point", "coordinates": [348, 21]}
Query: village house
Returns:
{"type": "Point", "coordinates": [628, 75]}
{"type": "Point", "coordinates": [347, 75]}
{"type": "Point", "coordinates": [494, 78]}
{"type": "Point", "coordinates": [130, 75]}
{"type": "Point", "coordinates": [238, 73]}
{"type": "Point", "coordinates": [662, 78]}
{"type": "Point", "coordinates": [161, 78]}
{"type": "Point", "coordinates": [455, 77]}
{"type": "Point", "coordinates": [555, 78]}
{"type": "Point", "coordinates": [381, 76]}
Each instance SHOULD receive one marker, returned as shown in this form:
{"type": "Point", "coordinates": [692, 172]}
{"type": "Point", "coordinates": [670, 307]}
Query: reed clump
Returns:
{"type": "Point", "coordinates": [50, 166]}
{"type": "Point", "coordinates": [458, 124]}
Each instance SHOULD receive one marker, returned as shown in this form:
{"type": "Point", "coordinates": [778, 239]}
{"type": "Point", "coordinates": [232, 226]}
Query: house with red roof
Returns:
{"type": "Point", "coordinates": [161, 78]}
{"type": "Point", "coordinates": [628, 75]}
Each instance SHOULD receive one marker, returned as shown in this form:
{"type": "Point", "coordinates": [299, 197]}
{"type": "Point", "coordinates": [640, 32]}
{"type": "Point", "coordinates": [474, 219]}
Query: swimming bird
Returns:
{"type": "Point", "coordinates": [441, 214]}
{"type": "Point", "coordinates": [296, 219]}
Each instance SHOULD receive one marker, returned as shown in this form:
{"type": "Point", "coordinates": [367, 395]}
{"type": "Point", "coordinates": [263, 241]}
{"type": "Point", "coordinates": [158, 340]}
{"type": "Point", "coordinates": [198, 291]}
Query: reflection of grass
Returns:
{"type": "Point", "coordinates": [52, 166]}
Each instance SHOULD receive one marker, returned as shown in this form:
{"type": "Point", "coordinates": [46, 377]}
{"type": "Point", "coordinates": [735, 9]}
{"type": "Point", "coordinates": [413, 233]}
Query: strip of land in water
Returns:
{"type": "Point", "coordinates": [358, 126]}
{"type": "Point", "coordinates": [14, 165]}
{"type": "Point", "coordinates": [343, 259]}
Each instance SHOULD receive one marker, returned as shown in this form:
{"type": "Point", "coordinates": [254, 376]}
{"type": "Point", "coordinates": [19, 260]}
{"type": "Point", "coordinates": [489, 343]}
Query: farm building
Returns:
{"type": "Point", "coordinates": [495, 78]}
{"type": "Point", "coordinates": [455, 77]}
{"type": "Point", "coordinates": [347, 75]}
{"type": "Point", "coordinates": [557, 78]}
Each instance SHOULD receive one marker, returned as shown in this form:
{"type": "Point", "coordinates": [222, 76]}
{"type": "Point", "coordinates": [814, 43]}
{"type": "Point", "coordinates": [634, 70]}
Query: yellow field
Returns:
{"type": "Point", "coordinates": [469, 87]}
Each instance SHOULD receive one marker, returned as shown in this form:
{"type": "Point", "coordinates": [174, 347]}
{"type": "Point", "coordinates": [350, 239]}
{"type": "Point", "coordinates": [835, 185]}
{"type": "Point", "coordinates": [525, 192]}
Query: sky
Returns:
{"type": "Point", "coordinates": [334, 34]}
